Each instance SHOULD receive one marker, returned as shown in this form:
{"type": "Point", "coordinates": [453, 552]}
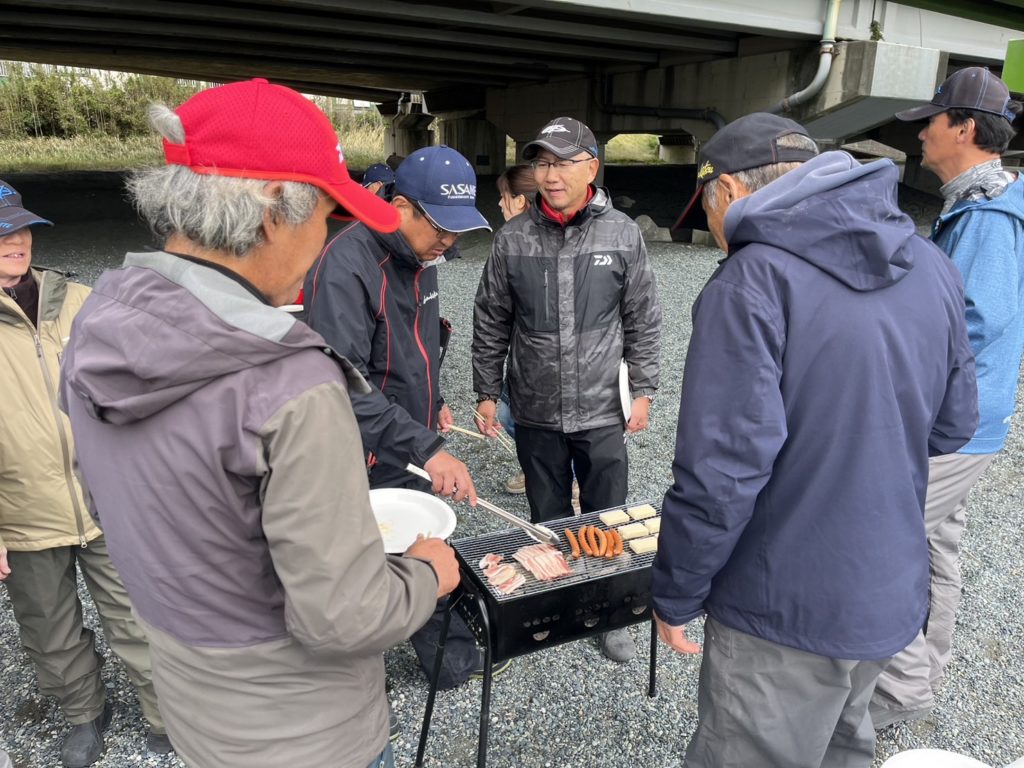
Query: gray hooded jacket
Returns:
{"type": "Point", "coordinates": [220, 448]}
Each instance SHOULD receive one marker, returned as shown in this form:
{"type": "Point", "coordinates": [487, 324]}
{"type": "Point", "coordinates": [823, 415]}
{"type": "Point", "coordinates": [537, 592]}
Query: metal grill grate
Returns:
{"type": "Point", "coordinates": [506, 543]}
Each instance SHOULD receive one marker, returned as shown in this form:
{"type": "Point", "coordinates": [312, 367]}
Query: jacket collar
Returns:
{"type": "Point", "coordinates": [395, 244]}
{"type": "Point", "coordinates": [53, 288]}
{"type": "Point", "coordinates": [598, 203]}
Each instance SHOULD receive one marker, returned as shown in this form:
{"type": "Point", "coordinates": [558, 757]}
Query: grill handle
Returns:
{"type": "Point", "coordinates": [536, 532]}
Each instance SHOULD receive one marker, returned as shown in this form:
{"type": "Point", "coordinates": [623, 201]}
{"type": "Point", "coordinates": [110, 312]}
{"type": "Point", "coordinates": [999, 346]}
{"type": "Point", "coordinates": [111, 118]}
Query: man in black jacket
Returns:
{"type": "Point", "coordinates": [567, 295]}
{"type": "Point", "coordinates": [374, 298]}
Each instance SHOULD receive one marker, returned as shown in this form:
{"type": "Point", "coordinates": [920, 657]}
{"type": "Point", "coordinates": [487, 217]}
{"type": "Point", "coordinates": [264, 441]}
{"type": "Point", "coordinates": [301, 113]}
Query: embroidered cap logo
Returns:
{"type": "Point", "coordinates": [556, 128]}
{"type": "Point", "coordinates": [705, 170]}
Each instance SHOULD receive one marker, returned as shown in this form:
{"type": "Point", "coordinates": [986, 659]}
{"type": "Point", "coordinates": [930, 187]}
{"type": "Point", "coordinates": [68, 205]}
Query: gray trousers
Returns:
{"type": "Point", "coordinates": [907, 686]}
{"type": "Point", "coordinates": [763, 704]}
{"type": "Point", "coordinates": [43, 588]}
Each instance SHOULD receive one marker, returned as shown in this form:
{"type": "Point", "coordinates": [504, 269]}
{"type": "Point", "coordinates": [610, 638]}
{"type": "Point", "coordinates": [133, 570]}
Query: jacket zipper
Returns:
{"type": "Point", "coordinates": [64, 446]}
{"type": "Point", "coordinates": [547, 305]}
{"type": "Point", "coordinates": [423, 350]}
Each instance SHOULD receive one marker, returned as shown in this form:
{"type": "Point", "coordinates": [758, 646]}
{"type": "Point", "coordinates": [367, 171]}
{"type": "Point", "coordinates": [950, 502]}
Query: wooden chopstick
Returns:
{"type": "Point", "coordinates": [501, 436]}
{"type": "Point", "coordinates": [467, 432]}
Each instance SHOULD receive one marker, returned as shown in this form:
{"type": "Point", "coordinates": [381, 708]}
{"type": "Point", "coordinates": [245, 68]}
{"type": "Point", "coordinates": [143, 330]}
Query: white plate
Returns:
{"type": "Point", "coordinates": [624, 397]}
{"type": "Point", "coordinates": [402, 514]}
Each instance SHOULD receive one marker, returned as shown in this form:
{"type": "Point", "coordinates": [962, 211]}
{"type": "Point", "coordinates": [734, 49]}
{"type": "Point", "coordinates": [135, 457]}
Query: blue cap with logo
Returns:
{"type": "Point", "coordinates": [443, 184]}
{"type": "Point", "coordinates": [12, 216]}
{"type": "Point", "coordinates": [378, 172]}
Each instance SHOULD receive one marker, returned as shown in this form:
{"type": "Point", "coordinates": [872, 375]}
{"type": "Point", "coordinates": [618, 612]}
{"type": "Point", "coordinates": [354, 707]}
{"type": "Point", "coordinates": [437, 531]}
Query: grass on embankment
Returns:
{"type": "Point", "coordinates": [363, 146]}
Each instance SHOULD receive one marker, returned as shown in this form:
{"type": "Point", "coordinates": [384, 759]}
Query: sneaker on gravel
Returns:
{"type": "Point", "coordinates": [159, 743]}
{"type": "Point", "coordinates": [516, 485]}
{"type": "Point", "coordinates": [496, 669]}
{"type": "Point", "coordinates": [617, 645]}
{"type": "Point", "coordinates": [394, 726]}
{"type": "Point", "coordinates": [84, 745]}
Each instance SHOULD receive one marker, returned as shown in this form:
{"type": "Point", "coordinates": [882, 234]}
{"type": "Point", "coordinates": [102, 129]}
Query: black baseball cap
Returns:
{"type": "Point", "coordinates": [12, 215]}
{"type": "Point", "coordinates": [563, 137]}
{"type": "Point", "coordinates": [749, 142]}
{"type": "Point", "coordinates": [974, 88]}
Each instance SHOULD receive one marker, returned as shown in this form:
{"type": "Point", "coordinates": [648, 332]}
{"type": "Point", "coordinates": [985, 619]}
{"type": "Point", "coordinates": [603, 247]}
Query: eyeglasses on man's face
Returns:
{"type": "Point", "coordinates": [542, 166]}
{"type": "Point", "coordinates": [442, 234]}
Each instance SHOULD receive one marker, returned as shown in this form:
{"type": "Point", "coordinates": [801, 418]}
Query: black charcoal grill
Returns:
{"type": "Point", "coordinates": [600, 595]}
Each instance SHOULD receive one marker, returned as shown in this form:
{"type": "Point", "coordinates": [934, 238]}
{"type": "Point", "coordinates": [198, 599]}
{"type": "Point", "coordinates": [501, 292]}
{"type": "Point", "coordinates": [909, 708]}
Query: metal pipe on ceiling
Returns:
{"type": "Point", "coordinates": [826, 53]}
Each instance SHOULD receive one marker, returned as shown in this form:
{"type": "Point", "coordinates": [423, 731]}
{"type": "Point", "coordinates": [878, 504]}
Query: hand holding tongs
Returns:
{"type": "Point", "coordinates": [538, 533]}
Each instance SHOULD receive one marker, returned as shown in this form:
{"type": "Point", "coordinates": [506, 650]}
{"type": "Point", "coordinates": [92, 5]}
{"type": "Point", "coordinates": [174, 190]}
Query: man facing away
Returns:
{"type": "Point", "coordinates": [568, 293]}
{"type": "Point", "coordinates": [45, 529]}
{"type": "Point", "coordinates": [374, 297]}
{"type": "Point", "coordinates": [981, 228]}
{"type": "Point", "coordinates": [829, 358]}
{"type": "Point", "coordinates": [219, 446]}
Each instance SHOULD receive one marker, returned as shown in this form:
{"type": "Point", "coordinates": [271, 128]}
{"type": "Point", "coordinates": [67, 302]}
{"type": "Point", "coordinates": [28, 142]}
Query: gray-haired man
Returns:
{"type": "Point", "coordinates": [218, 442]}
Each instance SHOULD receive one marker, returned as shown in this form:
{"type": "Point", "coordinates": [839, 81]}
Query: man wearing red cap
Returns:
{"type": "Point", "coordinates": [43, 520]}
{"type": "Point", "coordinates": [218, 442]}
{"type": "Point", "coordinates": [981, 227]}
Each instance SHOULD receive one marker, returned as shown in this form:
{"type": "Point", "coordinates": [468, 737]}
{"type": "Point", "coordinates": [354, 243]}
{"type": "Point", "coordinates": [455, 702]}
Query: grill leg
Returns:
{"type": "Point", "coordinates": [438, 659]}
{"type": "Point", "coordinates": [485, 702]}
{"type": "Point", "coordinates": [652, 686]}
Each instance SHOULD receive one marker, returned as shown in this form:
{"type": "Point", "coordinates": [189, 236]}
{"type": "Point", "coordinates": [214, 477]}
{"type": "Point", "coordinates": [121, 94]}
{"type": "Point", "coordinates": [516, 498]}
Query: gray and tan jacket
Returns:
{"type": "Point", "coordinates": [566, 305]}
{"type": "Point", "coordinates": [41, 504]}
{"type": "Point", "coordinates": [217, 438]}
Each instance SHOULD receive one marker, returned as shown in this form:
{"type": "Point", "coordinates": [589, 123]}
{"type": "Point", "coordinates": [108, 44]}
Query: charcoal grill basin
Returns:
{"type": "Point", "coordinates": [601, 595]}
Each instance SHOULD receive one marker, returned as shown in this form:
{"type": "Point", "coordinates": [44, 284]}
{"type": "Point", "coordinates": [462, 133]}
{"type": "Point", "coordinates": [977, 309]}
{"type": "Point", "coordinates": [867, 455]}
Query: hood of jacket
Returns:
{"type": "Point", "coordinates": [162, 327]}
{"type": "Point", "coordinates": [817, 212]}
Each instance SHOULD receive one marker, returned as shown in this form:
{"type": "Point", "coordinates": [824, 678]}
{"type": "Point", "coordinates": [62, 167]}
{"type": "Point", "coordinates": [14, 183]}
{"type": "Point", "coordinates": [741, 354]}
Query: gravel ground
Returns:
{"type": "Point", "coordinates": [540, 702]}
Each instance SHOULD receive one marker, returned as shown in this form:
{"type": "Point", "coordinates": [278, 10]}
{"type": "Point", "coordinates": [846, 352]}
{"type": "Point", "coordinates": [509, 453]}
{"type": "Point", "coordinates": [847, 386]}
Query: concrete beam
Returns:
{"type": "Point", "coordinates": [562, 30]}
{"type": "Point", "coordinates": [868, 84]}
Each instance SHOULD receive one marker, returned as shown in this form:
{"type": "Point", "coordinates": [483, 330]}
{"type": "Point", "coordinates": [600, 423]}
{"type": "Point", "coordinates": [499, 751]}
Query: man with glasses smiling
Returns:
{"type": "Point", "coordinates": [568, 293]}
{"type": "Point", "coordinates": [374, 297]}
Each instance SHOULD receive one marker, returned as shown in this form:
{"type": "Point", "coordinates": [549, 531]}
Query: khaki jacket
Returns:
{"type": "Point", "coordinates": [41, 503]}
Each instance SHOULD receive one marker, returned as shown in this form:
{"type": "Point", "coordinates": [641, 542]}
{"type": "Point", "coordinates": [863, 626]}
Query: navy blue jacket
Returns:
{"type": "Point", "coordinates": [375, 303]}
{"type": "Point", "coordinates": [829, 359]}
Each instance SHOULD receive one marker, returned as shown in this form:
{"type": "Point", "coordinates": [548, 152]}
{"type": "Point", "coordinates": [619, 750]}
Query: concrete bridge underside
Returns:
{"type": "Point", "coordinates": [674, 68]}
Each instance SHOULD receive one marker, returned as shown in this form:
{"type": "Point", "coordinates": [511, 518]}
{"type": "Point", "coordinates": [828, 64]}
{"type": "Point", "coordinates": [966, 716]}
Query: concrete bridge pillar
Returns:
{"type": "Point", "coordinates": [678, 150]}
{"type": "Point", "coordinates": [405, 141]}
{"type": "Point", "coordinates": [479, 141]}
{"type": "Point", "coordinates": [407, 127]}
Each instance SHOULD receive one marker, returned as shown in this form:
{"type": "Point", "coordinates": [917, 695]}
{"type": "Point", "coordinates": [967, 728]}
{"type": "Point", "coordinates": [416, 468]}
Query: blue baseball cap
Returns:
{"type": "Point", "coordinates": [378, 172]}
{"type": "Point", "coordinates": [443, 184]}
{"type": "Point", "coordinates": [12, 216]}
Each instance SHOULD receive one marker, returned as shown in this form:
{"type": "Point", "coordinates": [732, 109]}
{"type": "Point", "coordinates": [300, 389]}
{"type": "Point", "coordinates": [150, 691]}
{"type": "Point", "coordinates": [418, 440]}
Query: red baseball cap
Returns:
{"type": "Point", "coordinates": [256, 130]}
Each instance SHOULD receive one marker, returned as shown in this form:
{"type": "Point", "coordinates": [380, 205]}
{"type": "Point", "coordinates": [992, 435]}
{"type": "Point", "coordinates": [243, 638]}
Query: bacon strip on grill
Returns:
{"type": "Point", "coordinates": [544, 561]}
{"type": "Point", "coordinates": [489, 560]}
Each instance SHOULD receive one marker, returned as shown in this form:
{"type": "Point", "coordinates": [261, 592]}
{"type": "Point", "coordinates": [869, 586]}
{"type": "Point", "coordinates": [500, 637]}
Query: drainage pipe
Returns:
{"type": "Point", "coordinates": [827, 52]}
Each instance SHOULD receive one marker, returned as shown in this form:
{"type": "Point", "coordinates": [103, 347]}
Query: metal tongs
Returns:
{"type": "Point", "coordinates": [538, 533]}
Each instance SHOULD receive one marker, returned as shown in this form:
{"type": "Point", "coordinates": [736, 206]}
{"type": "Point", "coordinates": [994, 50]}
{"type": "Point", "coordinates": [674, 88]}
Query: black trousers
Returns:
{"type": "Point", "coordinates": [461, 655]}
{"type": "Point", "coordinates": [549, 458]}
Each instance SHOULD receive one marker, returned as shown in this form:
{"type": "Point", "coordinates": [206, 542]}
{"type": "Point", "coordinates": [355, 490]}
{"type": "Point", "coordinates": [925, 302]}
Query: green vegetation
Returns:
{"type": "Point", "coordinates": [71, 119]}
{"type": "Point", "coordinates": [624, 148]}
{"type": "Point", "coordinates": [632, 148]}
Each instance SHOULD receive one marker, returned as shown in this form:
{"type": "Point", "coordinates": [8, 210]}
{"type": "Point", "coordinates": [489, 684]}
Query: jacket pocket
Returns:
{"type": "Point", "coordinates": [534, 286]}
